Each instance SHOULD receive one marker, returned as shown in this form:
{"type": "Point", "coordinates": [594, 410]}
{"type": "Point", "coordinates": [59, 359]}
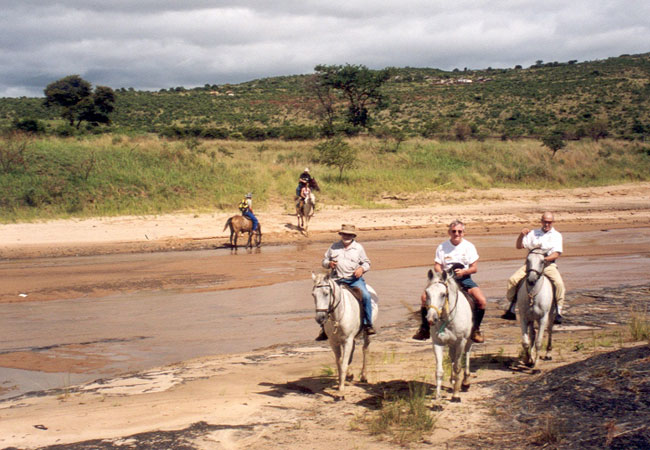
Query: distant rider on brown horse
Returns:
{"type": "Point", "coordinates": [246, 208]}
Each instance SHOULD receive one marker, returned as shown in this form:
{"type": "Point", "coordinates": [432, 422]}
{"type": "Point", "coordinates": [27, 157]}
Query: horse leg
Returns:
{"type": "Point", "coordinates": [336, 348]}
{"type": "Point", "coordinates": [345, 358]}
{"type": "Point", "coordinates": [539, 339]}
{"type": "Point", "coordinates": [465, 386]}
{"type": "Point", "coordinates": [525, 339]}
{"type": "Point", "coordinates": [456, 369]}
{"type": "Point", "coordinates": [438, 353]}
{"type": "Point", "coordinates": [250, 238]}
{"type": "Point", "coordinates": [549, 345]}
{"type": "Point", "coordinates": [366, 345]}
{"type": "Point", "coordinates": [452, 358]}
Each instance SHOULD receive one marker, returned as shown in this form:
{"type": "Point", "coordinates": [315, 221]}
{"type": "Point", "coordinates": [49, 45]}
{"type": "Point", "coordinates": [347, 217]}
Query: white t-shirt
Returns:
{"type": "Point", "coordinates": [464, 253]}
{"type": "Point", "coordinates": [549, 242]}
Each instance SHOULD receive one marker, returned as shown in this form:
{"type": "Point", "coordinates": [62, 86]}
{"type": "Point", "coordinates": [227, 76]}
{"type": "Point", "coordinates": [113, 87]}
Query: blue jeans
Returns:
{"type": "Point", "coordinates": [365, 295]}
{"type": "Point", "coordinates": [252, 217]}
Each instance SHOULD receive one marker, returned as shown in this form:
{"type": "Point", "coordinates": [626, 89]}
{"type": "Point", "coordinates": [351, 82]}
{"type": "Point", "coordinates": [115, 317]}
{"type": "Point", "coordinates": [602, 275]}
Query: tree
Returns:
{"type": "Point", "coordinates": [336, 153]}
{"type": "Point", "coordinates": [78, 102]}
{"type": "Point", "coordinates": [326, 99]}
{"type": "Point", "coordinates": [359, 85]}
{"type": "Point", "coordinates": [554, 141]}
{"type": "Point", "coordinates": [597, 129]}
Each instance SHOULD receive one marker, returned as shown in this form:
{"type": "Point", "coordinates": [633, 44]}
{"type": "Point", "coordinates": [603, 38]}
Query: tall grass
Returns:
{"type": "Point", "coordinates": [114, 175]}
{"type": "Point", "coordinates": [640, 325]}
{"type": "Point", "coordinates": [404, 418]}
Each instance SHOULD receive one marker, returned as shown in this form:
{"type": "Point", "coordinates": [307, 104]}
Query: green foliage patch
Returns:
{"type": "Point", "coordinates": [109, 175]}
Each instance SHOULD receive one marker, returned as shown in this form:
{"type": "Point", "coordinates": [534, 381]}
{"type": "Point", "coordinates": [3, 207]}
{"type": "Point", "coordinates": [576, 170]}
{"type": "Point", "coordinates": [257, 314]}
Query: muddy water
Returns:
{"type": "Point", "coordinates": [59, 343]}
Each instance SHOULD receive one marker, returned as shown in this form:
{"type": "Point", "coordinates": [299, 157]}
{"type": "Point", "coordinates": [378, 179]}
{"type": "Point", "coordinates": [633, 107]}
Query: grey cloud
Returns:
{"type": "Point", "coordinates": [157, 44]}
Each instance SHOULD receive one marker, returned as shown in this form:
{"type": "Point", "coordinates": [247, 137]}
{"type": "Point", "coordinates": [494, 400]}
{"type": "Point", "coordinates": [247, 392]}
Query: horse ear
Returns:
{"type": "Point", "coordinates": [313, 276]}
{"type": "Point", "coordinates": [430, 274]}
{"type": "Point", "coordinates": [444, 275]}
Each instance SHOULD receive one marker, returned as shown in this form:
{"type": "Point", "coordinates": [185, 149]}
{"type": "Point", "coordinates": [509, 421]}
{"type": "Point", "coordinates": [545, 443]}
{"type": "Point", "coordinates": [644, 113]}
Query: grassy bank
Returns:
{"type": "Point", "coordinates": [108, 175]}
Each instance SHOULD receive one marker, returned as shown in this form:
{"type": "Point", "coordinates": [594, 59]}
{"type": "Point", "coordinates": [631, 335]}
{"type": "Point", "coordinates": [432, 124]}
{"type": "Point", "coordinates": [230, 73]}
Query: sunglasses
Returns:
{"type": "Point", "coordinates": [456, 231]}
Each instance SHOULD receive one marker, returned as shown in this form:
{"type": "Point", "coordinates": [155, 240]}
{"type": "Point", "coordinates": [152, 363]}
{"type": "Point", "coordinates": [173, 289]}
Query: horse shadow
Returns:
{"type": "Point", "coordinates": [376, 393]}
{"type": "Point", "coordinates": [493, 361]}
{"type": "Point", "coordinates": [292, 227]}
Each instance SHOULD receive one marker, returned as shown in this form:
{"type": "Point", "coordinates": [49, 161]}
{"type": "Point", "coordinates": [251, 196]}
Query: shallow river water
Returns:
{"type": "Point", "coordinates": [103, 337]}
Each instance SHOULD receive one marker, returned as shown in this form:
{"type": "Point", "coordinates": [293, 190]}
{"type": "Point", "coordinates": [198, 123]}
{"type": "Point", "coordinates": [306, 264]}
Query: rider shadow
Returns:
{"type": "Point", "coordinates": [302, 386]}
{"type": "Point", "coordinates": [494, 361]}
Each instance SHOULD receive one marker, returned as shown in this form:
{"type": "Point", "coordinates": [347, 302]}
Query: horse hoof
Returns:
{"type": "Point", "coordinates": [338, 398]}
{"type": "Point", "coordinates": [349, 377]}
{"type": "Point", "coordinates": [535, 371]}
{"type": "Point", "coordinates": [455, 399]}
{"type": "Point", "coordinates": [547, 358]}
{"type": "Point", "coordinates": [363, 379]}
{"type": "Point", "coordinates": [464, 387]}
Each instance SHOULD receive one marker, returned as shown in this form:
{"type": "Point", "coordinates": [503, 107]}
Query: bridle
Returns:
{"type": "Point", "coordinates": [539, 273]}
{"type": "Point", "coordinates": [445, 314]}
{"type": "Point", "coordinates": [331, 305]}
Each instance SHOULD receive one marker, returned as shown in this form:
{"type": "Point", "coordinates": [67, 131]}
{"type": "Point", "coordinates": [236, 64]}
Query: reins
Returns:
{"type": "Point", "coordinates": [445, 314]}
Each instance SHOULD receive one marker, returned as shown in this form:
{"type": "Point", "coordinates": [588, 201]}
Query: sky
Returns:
{"type": "Point", "coordinates": [155, 44]}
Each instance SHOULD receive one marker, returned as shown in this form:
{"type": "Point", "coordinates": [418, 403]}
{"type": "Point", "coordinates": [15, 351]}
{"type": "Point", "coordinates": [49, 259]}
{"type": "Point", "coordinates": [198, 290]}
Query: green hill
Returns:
{"type": "Point", "coordinates": [578, 98]}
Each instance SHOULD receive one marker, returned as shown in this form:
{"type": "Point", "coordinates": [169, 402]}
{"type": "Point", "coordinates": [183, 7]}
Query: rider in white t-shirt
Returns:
{"type": "Point", "coordinates": [461, 254]}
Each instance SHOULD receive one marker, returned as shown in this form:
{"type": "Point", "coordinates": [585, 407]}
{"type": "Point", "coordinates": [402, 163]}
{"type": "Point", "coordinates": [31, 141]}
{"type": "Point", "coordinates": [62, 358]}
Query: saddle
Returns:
{"type": "Point", "coordinates": [358, 295]}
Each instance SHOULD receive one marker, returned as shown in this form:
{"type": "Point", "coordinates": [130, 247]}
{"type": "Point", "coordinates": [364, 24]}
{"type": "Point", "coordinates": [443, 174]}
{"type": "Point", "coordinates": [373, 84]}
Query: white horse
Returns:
{"type": "Point", "coordinates": [305, 212]}
{"type": "Point", "coordinates": [340, 314]}
{"type": "Point", "coordinates": [450, 316]}
{"type": "Point", "coordinates": [534, 302]}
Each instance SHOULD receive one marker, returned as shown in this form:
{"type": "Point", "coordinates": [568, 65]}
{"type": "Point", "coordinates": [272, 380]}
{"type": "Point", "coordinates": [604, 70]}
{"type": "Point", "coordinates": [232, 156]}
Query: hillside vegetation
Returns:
{"type": "Point", "coordinates": [52, 177]}
{"type": "Point", "coordinates": [581, 99]}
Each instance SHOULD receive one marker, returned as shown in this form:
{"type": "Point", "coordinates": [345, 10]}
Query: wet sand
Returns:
{"type": "Point", "coordinates": [49, 342]}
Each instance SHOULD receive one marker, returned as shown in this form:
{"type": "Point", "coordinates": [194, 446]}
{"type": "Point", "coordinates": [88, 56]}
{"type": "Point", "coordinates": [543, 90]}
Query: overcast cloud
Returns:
{"type": "Point", "coordinates": [154, 44]}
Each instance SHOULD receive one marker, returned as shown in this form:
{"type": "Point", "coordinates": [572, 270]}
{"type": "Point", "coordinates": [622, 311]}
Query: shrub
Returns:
{"type": "Point", "coordinates": [32, 126]}
{"type": "Point", "coordinates": [336, 153]}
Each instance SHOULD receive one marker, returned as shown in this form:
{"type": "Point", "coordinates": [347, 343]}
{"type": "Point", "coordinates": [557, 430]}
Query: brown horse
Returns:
{"type": "Point", "coordinates": [240, 224]}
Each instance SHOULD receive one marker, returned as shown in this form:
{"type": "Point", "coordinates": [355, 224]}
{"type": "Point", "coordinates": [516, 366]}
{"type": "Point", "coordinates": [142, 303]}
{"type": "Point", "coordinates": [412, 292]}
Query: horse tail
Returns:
{"type": "Point", "coordinates": [228, 224]}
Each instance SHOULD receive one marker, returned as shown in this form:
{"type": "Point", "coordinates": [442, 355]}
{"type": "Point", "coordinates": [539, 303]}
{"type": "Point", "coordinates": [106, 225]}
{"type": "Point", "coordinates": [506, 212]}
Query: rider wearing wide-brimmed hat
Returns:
{"type": "Point", "coordinates": [348, 259]}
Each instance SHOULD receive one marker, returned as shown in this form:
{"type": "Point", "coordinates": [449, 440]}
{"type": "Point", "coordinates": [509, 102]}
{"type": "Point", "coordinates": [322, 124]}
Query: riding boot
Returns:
{"type": "Point", "coordinates": [558, 316]}
{"type": "Point", "coordinates": [510, 313]}
{"type": "Point", "coordinates": [424, 332]}
{"type": "Point", "coordinates": [477, 336]}
{"type": "Point", "coordinates": [322, 336]}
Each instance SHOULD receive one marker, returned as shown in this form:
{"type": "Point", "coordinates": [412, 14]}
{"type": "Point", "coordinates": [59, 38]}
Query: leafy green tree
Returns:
{"type": "Point", "coordinates": [359, 85]}
{"type": "Point", "coordinates": [337, 153]}
{"type": "Point", "coordinates": [597, 129]}
{"type": "Point", "coordinates": [554, 141]}
{"type": "Point", "coordinates": [78, 102]}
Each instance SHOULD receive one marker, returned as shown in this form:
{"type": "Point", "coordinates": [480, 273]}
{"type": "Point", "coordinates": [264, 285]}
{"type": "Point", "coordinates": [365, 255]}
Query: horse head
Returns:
{"type": "Point", "coordinates": [436, 295]}
{"type": "Point", "coordinates": [323, 293]}
{"type": "Point", "coordinates": [534, 266]}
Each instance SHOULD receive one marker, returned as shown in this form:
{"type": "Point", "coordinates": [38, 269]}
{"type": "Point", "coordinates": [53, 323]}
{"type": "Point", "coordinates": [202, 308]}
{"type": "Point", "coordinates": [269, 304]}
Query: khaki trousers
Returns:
{"type": "Point", "coordinates": [551, 272]}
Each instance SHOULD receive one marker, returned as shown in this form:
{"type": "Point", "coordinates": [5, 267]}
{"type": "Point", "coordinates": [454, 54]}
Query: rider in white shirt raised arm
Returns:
{"type": "Point", "coordinates": [549, 240]}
